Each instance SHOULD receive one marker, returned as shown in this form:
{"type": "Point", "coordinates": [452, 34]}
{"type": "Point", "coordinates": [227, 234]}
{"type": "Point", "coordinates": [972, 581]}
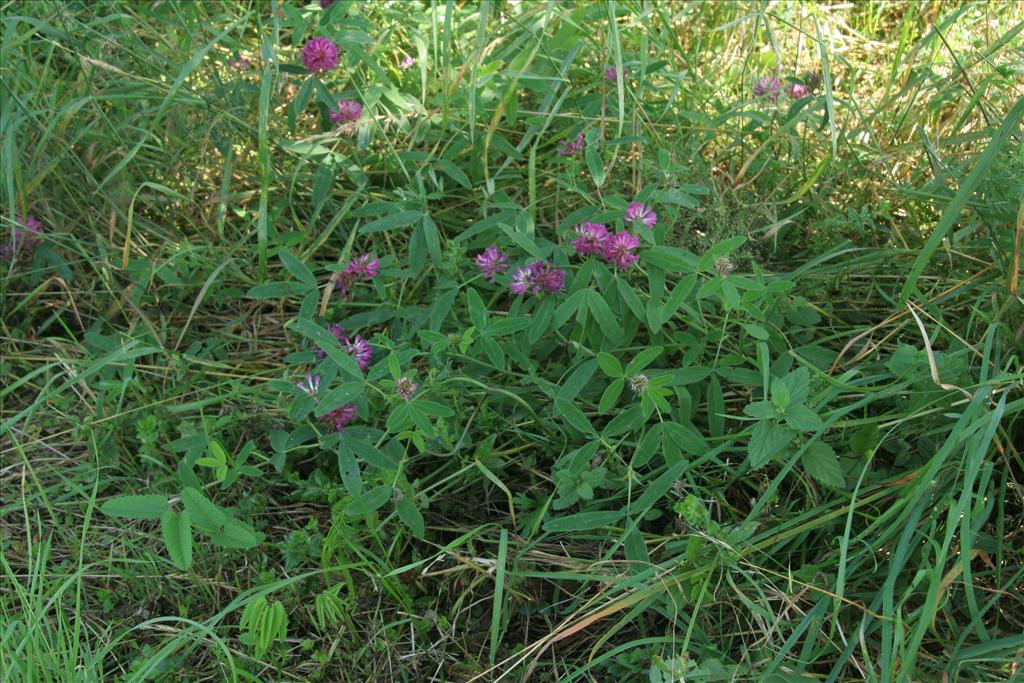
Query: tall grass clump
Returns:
{"type": "Point", "coordinates": [492, 341]}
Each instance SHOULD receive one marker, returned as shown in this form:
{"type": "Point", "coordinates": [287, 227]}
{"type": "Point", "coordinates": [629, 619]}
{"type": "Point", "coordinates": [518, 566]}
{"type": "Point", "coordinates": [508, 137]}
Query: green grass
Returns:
{"type": "Point", "coordinates": [822, 480]}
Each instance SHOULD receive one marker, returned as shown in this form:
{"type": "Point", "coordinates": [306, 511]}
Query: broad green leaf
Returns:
{"type": "Point", "coordinates": [136, 507]}
{"type": "Point", "coordinates": [477, 309]}
{"type": "Point", "coordinates": [802, 418]}
{"type": "Point", "coordinates": [574, 416]}
{"type": "Point", "coordinates": [176, 529]}
{"type": "Point", "coordinates": [339, 396]}
{"type": "Point", "coordinates": [821, 463]}
{"type": "Point", "coordinates": [371, 500]}
{"type": "Point", "coordinates": [297, 268]}
{"type": "Point", "coordinates": [767, 440]}
{"type": "Point", "coordinates": [642, 360]}
{"type": "Point", "coordinates": [611, 396]}
{"type": "Point", "coordinates": [761, 410]}
{"type": "Point", "coordinates": [206, 515]}
{"type": "Point", "coordinates": [609, 364]}
{"type": "Point", "coordinates": [606, 320]}
{"type": "Point", "coordinates": [411, 516]}
{"type": "Point", "coordinates": [236, 534]}
{"type": "Point", "coordinates": [781, 398]}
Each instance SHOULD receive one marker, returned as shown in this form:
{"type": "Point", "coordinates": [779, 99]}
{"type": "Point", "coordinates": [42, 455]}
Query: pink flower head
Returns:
{"type": "Point", "coordinates": [570, 147]}
{"type": "Point", "coordinates": [405, 388]}
{"type": "Point", "coordinates": [638, 211]}
{"type": "Point", "coordinates": [590, 238]}
{"type": "Point", "coordinates": [611, 75]}
{"type": "Point", "coordinates": [360, 349]}
{"type": "Point", "coordinates": [363, 267]}
{"type": "Point", "coordinates": [25, 236]}
{"type": "Point", "coordinates": [491, 262]}
{"type": "Point", "coordinates": [767, 85]}
{"type": "Point", "coordinates": [618, 250]}
{"type": "Point", "coordinates": [407, 62]}
{"type": "Point", "coordinates": [320, 54]}
{"type": "Point", "coordinates": [798, 91]}
{"type": "Point", "coordinates": [340, 417]}
{"type": "Point", "coordinates": [310, 385]}
{"type": "Point", "coordinates": [348, 110]}
{"type": "Point", "coordinates": [538, 277]}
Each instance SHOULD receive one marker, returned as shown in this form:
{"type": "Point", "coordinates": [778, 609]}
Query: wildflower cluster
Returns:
{"type": "Point", "coordinates": [347, 111]}
{"type": "Point", "coordinates": [363, 267]}
{"type": "Point", "coordinates": [771, 87]}
{"type": "Point", "coordinates": [537, 278]}
{"type": "Point", "coordinates": [570, 147]}
{"type": "Point", "coordinates": [24, 237]}
{"type": "Point", "coordinates": [618, 249]}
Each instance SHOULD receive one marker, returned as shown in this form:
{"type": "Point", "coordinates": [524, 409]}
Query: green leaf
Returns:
{"type": "Point", "coordinates": [433, 408]}
{"type": "Point", "coordinates": [577, 380]}
{"type": "Point", "coordinates": [595, 164]}
{"type": "Point", "coordinates": [609, 364]}
{"type": "Point", "coordinates": [605, 318]}
{"type": "Point", "coordinates": [236, 534]}
{"type": "Point", "coordinates": [177, 532]}
{"type": "Point", "coordinates": [756, 331]}
{"type": "Point", "coordinates": [767, 440]}
{"type": "Point", "coordinates": [328, 344]}
{"type": "Point", "coordinates": [780, 394]}
{"type": "Point", "coordinates": [477, 309]}
{"type": "Point", "coordinates": [821, 463]}
{"type": "Point", "coordinates": [802, 418]}
{"type": "Point", "coordinates": [611, 396]}
{"type": "Point", "coordinates": [653, 491]}
{"type": "Point", "coordinates": [669, 259]}
{"type": "Point", "coordinates": [762, 410]}
{"type": "Point", "coordinates": [136, 507]}
{"type": "Point", "coordinates": [629, 419]}
{"type": "Point", "coordinates": [642, 360]}
{"type": "Point", "coordinates": [411, 516]}
{"type": "Point", "coordinates": [798, 382]}
{"type": "Point", "coordinates": [574, 416]}
{"type": "Point", "coordinates": [402, 219]}
{"type": "Point", "coordinates": [864, 440]}
{"type": "Point", "coordinates": [339, 396]}
{"type": "Point", "coordinates": [494, 352]}
{"type": "Point", "coordinates": [205, 513]}
{"type": "Point", "coordinates": [583, 521]}
{"type": "Point", "coordinates": [374, 499]}
{"type": "Point", "coordinates": [505, 326]}
{"type": "Point", "coordinates": [277, 290]}
{"type": "Point", "coordinates": [297, 268]}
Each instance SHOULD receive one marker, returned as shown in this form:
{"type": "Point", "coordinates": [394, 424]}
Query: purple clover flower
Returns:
{"type": "Point", "coordinates": [320, 54]}
{"type": "Point", "coordinates": [638, 211]}
{"type": "Point", "coordinates": [570, 147]}
{"type": "Point", "coordinates": [611, 75]}
{"type": "Point", "coordinates": [407, 62]}
{"type": "Point", "coordinates": [363, 267]}
{"type": "Point", "coordinates": [618, 250]}
{"type": "Point", "coordinates": [25, 236]}
{"type": "Point", "coordinates": [340, 417]}
{"type": "Point", "coordinates": [360, 349]}
{"type": "Point", "coordinates": [590, 238]}
{"type": "Point", "coordinates": [348, 110]}
{"type": "Point", "coordinates": [405, 388]}
{"type": "Point", "coordinates": [536, 278]}
{"type": "Point", "coordinates": [798, 91]}
{"type": "Point", "coordinates": [491, 262]}
{"type": "Point", "coordinates": [309, 385]}
{"type": "Point", "coordinates": [767, 86]}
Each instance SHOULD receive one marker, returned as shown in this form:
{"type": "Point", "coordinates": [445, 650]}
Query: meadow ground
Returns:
{"type": "Point", "coordinates": [477, 341]}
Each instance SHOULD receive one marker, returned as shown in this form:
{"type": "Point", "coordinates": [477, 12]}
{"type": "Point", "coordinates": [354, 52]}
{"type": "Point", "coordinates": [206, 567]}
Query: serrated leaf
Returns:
{"type": "Point", "coordinates": [802, 418]}
{"type": "Point", "coordinates": [136, 507]}
{"type": "Point", "coordinates": [767, 440]}
{"type": "Point", "coordinates": [798, 382]}
{"type": "Point", "coordinates": [821, 463]}
{"type": "Point", "coordinates": [206, 515]}
{"type": "Point", "coordinates": [780, 394]}
{"type": "Point", "coordinates": [176, 529]}
{"type": "Point", "coordinates": [761, 410]}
